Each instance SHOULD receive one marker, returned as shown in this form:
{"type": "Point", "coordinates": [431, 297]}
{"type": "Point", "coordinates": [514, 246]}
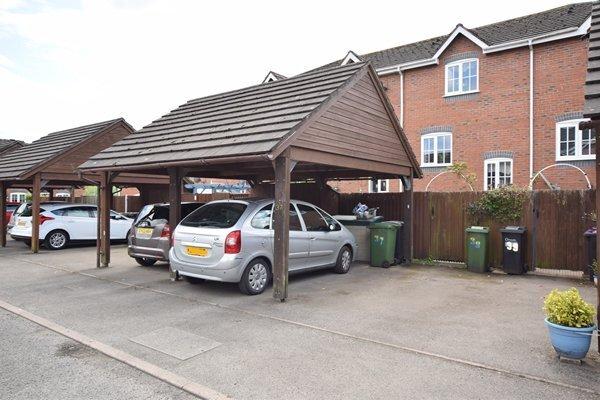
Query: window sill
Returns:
{"type": "Point", "coordinates": [575, 158]}
{"type": "Point", "coordinates": [434, 165]}
{"type": "Point", "coordinates": [460, 93]}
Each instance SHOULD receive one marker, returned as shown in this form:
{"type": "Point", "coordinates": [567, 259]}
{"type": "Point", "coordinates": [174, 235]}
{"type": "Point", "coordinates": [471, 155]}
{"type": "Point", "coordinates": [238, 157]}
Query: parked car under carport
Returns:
{"type": "Point", "coordinates": [150, 237]}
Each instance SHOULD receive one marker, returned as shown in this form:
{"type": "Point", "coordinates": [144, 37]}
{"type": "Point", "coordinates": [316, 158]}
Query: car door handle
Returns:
{"type": "Point", "coordinates": [313, 237]}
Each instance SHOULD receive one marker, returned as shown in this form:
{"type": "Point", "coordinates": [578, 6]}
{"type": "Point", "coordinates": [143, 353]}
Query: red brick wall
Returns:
{"type": "Point", "coordinates": [496, 118]}
{"type": "Point", "coordinates": [559, 78]}
{"type": "Point", "coordinates": [361, 186]}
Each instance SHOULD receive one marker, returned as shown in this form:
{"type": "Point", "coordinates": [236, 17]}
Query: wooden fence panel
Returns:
{"type": "Point", "coordinates": [555, 223]}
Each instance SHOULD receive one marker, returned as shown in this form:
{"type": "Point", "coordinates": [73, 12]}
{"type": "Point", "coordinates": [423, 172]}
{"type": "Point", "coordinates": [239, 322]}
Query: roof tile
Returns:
{"type": "Point", "coordinates": [17, 163]}
{"type": "Point", "coordinates": [248, 121]}
{"type": "Point", "coordinates": [568, 16]}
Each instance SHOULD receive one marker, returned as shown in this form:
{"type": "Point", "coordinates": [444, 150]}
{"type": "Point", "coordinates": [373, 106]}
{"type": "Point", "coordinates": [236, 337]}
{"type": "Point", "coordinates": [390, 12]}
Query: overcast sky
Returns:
{"type": "Point", "coordinates": [67, 63]}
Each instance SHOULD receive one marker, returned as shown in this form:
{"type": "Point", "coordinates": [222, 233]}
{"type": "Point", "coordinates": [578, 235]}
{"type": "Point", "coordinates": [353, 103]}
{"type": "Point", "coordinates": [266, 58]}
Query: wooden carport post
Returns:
{"type": "Point", "coordinates": [174, 204]}
{"type": "Point", "coordinates": [104, 201]}
{"type": "Point", "coordinates": [281, 219]}
{"type": "Point", "coordinates": [35, 213]}
{"type": "Point", "coordinates": [408, 219]}
{"type": "Point", "coordinates": [174, 196]}
{"type": "Point", "coordinates": [3, 186]}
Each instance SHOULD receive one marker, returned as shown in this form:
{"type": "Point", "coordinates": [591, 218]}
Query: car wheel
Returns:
{"type": "Point", "coordinates": [343, 261]}
{"type": "Point", "coordinates": [256, 277]}
{"type": "Point", "coordinates": [27, 242]}
{"type": "Point", "coordinates": [145, 262]}
{"type": "Point", "coordinates": [56, 240]}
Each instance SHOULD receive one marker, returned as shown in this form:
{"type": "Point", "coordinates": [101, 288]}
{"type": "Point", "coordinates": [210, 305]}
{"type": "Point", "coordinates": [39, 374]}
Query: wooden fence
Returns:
{"type": "Point", "coordinates": [555, 222]}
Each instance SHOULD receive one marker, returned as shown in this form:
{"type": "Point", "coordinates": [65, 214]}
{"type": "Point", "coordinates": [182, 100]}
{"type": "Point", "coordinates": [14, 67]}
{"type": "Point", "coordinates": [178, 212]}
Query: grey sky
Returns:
{"type": "Point", "coordinates": [67, 63]}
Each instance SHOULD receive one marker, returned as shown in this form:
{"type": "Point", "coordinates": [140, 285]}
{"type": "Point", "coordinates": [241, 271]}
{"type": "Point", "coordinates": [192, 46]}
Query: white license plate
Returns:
{"type": "Point", "coordinates": [144, 231]}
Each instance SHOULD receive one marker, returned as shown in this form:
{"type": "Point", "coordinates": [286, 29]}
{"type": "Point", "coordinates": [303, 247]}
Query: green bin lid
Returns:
{"type": "Point", "coordinates": [348, 220]}
{"type": "Point", "coordinates": [386, 225]}
{"type": "Point", "coordinates": [478, 229]}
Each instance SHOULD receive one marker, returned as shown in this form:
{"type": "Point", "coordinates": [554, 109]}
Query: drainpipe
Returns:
{"type": "Point", "coordinates": [401, 97]}
{"type": "Point", "coordinates": [531, 92]}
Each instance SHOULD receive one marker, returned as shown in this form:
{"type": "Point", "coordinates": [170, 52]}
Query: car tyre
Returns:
{"type": "Point", "coordinates": [145, 262]}
{"type": "Point", "coordinates": [56, 240]}
{"type": "Point", "coordinates": [343, 261]}
{"type": "Point", "coordinates": [256, 277]}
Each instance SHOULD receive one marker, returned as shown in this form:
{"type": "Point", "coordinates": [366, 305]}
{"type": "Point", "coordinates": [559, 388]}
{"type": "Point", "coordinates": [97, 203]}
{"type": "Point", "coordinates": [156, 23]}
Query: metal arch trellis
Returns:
{"type": "Point", "coordinates": [445, 172]}
{"type": "Point", "coordinates": [589, 185]}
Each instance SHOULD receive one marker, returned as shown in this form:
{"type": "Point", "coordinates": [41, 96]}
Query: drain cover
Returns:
{"type": "Point", "coordinates": [175, 342]}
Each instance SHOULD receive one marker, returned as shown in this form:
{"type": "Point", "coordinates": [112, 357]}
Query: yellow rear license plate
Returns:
{"type": "Point", "coordinates": [145, 231]}
{"type": "Point", "coordinates": [21, 223]}
{"type": "Point", "coordinates": [196, 251]}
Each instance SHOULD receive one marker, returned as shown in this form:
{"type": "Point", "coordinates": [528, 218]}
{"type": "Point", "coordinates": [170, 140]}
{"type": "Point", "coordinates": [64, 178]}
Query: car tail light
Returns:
{"type": "Point", "coordinates": [44, 218]}
{"type": "Point", "coordinates": [166, 231]}
{"type": "Point", "coordinates": [233, 242]}
{"type": "Point", "coordinates": [172, 239]}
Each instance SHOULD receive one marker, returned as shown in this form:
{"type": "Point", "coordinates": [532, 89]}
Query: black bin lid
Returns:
{"type": "Point", "coordinates": [514, 229]}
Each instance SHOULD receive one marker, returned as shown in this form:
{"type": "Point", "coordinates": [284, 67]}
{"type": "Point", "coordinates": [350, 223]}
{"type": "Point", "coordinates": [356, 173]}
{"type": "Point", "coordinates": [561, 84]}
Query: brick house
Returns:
{"type": "Point", "coordinates": [506, 99]}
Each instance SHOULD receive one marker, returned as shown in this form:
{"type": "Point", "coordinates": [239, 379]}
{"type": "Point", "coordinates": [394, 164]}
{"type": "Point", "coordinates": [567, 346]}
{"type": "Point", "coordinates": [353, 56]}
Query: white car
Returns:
{"type": "Point", "coordinates": [62, 223]}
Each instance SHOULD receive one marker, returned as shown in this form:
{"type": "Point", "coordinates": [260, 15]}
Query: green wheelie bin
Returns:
{"type": "Point", "coordinates": [478, 249]}
{"type": "Point", "coordinates": [383, 243]}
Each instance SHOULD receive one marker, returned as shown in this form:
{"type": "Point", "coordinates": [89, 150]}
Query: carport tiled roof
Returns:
{"type": "Point", "coordinates": [245, 122]}
{"type": "Point", "coordinates": [592, 84]}
{"type": "Point", "coordinates": [8, 144]}
{"type": "Point", "coordinates": [556, 19]}
{"type": "Point", "coordinates": [17, 164]}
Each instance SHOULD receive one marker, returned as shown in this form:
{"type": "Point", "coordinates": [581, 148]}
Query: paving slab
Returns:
{"type": "Point", "coordinates": [176, 342]}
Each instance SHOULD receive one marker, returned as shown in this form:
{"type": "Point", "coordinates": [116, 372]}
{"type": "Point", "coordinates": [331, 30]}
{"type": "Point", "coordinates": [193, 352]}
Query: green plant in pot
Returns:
{"type": "Point", "coordinates": [570, 322]}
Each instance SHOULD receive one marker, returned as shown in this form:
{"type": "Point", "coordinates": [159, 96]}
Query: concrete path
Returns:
{"type": "Point", "coordinates": [419, 332]}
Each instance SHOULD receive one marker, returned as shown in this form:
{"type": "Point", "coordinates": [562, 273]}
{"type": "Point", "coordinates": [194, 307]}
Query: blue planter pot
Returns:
{"type": "Point", "coordinates": [570, 342]}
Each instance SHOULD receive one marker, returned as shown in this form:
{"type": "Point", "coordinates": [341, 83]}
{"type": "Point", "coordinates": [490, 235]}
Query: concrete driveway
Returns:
{"type": "Point", "coordinates": [418, 332]}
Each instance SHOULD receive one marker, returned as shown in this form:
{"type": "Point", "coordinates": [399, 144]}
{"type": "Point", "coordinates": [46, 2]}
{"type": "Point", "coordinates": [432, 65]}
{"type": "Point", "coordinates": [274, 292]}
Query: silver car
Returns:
{"type": "Point", "coordinates": [232, 241]}
{"type": "Point", "coordinates": [150, 237]}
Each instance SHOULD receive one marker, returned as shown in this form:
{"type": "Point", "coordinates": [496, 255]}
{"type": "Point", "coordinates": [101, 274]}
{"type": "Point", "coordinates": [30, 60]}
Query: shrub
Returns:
{"type": "Point", "coordinates": [503, 205]}
{"type": "Point", "coordinates": [567, 308]}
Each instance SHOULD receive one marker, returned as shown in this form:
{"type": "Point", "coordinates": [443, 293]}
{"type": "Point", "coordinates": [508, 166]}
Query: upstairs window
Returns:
{"type": "Point", "coordinates": [498, 173]}
{"type": "Point", "coordinates": [573, 143]}
{"type": "Point", "coordinates": [436, 149]}
{"type": "Point", "coordinates": [462, 77]}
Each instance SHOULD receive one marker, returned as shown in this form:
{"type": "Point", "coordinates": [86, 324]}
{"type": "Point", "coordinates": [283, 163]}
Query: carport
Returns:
{"type": "Point", "coordinates": [51, 162]}
{"type": "Point", "coordinates": [335, 123]}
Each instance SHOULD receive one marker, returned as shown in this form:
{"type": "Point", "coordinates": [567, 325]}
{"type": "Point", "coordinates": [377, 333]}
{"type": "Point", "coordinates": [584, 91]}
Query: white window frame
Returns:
{"type": "Point", "coordinates": [497, 162]}
{"type": "Point", "coordinates": [435, 136]}
{"type": "Point", "coordinates": [387, 185]}
{"type": "Point", "coordinates": [460, 90]}
{"type": "Point", "coordinates": [17, 197]}
{"type": "Point", "coordinates": [578, 141]}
